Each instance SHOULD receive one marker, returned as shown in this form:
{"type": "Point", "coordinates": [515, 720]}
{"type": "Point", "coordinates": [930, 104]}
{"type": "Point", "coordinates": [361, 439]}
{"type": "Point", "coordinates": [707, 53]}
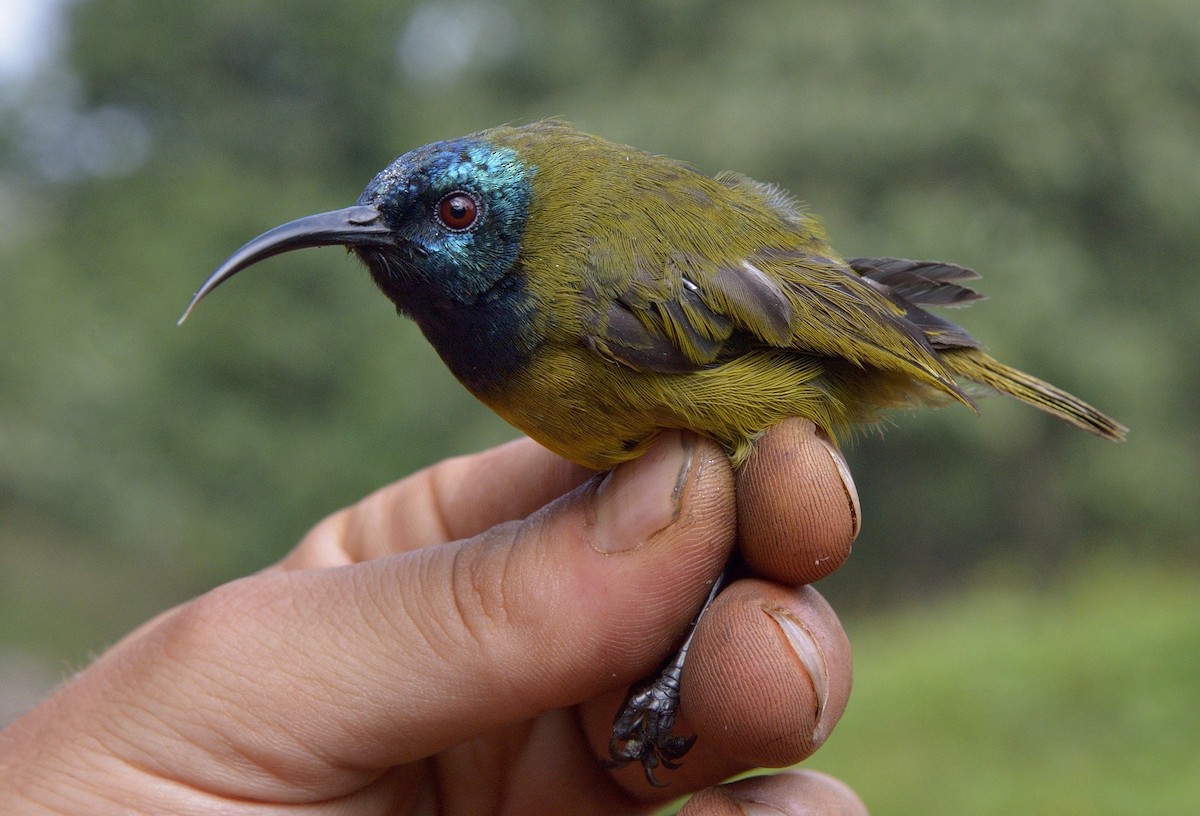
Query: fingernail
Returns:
{"type": "Point", "coordinates": [809, 653]}
{"type": "Point", "coordinates": [639, 499]}
{"type": "Point", "coordinates": [843, 469]}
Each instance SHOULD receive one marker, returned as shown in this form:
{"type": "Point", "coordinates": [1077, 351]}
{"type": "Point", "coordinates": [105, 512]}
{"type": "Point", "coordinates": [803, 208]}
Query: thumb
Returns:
{"type": "Point", "coordinates": [388, 661]}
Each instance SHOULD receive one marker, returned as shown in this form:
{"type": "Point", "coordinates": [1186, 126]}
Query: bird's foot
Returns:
{"type": "Point", "coordinates": [642, 728]}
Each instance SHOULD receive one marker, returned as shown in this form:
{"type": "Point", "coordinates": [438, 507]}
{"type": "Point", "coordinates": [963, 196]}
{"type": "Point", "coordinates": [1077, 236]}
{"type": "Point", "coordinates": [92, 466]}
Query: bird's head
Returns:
{"type": "Point", "coordinates": [440, 227]}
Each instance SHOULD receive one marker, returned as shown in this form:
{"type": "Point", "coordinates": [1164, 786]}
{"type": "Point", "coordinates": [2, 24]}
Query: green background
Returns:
{"type": "Point", "coordinates": [1023, 597]}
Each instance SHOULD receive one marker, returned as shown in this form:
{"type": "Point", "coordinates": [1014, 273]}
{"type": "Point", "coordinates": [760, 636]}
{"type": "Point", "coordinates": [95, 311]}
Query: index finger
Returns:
{"type": "Point", "coordinates": [798, 511]}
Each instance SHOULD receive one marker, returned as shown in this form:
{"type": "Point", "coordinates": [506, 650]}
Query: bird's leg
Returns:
{"type": "Point", "coordinates": [642, 728]}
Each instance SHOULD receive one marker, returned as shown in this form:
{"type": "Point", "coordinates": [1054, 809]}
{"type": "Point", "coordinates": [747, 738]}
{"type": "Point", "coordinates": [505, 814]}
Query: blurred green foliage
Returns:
{"type": "Point", "coordinates": [1051, 145]}
{"type": "Point", "coordinates": [1007, 702]}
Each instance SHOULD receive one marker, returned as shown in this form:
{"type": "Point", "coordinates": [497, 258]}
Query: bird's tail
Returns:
{"type": "Point", "coordinates": [975, 365]}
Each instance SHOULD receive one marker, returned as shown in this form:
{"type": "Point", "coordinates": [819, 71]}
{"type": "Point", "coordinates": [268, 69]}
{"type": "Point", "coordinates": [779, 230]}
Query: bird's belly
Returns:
{"type": "Point", "coordinates": [599, 413]}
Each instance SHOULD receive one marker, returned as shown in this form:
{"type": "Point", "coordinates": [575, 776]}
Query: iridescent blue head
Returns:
{"type": "Point", "coordinates": [440, 230]}
{"type": "Point", "coordinates": [455, 212]}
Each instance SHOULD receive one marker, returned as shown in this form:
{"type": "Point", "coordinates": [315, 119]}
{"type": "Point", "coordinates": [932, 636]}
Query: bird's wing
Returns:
{"type": "Point", "coordinates": [660, 321]}
{"type": "Point", "coordinates": [690, 313]}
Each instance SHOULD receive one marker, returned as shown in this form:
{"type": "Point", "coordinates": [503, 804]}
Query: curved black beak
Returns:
{"type": "Point", "coordinates": [360, 225]}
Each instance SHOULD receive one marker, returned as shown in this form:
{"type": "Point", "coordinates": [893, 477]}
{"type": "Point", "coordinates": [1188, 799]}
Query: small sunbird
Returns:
{"type": "Point", "coordinates": [593, 295]}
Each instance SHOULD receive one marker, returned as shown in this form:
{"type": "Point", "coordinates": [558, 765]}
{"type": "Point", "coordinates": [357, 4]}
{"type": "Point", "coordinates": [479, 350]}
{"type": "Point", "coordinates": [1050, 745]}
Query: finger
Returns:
{"type": "Point", "coordinates": [456, 498]}
{"type": "Point", "coordinates": [791, 793]}
{"type": "Point", "coordinates": [768, 675]}
{"type": "Point", "coordinates": [798, 511]}
{"type": "Point", "coordinates": [389, 661]}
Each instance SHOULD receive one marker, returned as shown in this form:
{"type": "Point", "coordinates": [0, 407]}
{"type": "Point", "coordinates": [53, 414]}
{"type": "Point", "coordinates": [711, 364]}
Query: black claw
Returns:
{"type": "Point", "coordinates": [642, 728]}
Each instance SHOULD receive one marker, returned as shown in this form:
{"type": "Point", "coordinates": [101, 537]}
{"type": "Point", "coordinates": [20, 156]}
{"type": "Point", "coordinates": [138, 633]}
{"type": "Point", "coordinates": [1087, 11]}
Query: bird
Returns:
{"type": "Point", "coordinates": [595, 295]}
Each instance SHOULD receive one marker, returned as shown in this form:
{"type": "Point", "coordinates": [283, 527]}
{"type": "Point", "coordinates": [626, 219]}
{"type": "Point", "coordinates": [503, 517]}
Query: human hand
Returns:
{"type": "Point", "coordinates": [459, 641]}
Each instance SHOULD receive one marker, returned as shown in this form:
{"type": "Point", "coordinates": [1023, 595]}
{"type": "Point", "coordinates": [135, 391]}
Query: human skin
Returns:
{"type": "Point", "coordinates": [459, 641]}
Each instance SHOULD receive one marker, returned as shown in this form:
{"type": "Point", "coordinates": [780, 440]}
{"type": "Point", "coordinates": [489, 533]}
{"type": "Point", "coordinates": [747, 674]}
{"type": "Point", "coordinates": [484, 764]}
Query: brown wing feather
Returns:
{"type": "Point", "coordinates": [692, 315]}
{"type": "Point", "coordinates": [926, 283]}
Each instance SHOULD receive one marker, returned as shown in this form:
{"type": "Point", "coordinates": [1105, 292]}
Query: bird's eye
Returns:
{"type": "Point", "coordinates": [458, 211]}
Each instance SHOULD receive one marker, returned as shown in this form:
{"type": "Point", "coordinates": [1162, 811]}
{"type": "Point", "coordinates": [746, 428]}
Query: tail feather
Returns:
{"type": "Point", "coordinates": [973, 364]}
{"type": "Point", "coordinates": [912, 284]}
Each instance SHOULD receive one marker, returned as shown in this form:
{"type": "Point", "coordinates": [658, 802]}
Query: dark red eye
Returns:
{"type": "Point", "coordinates": [458, 211]}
